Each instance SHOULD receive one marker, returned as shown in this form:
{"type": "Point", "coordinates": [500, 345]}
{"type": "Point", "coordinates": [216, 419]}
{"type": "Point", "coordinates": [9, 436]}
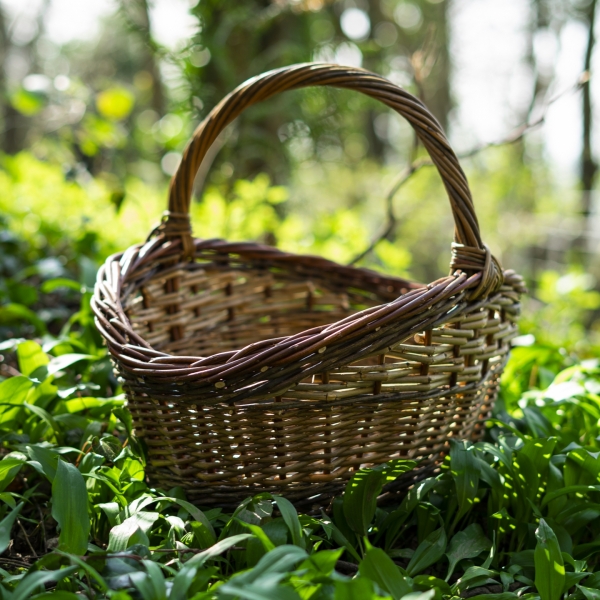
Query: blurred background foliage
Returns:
{"type": "Point", "coordinates": [93, 129]}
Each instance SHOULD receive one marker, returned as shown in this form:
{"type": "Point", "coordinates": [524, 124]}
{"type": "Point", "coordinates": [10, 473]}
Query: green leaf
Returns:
{"type": "Point", "coordinates": [44, 460]}
{"type": "Point", "coordinates": [32, 581]}
{"type": "Point", "coordinates": [360, 496]}
{"type": "Point", "coordinates": [589, 593]}
{"type": "Point", "coordinates": [468, 543]}
{"type": "Point", "coordinates": [6, 526]}
{"type": "Point", "coordinates": [122, 536]}
{"type": "Point", "coordinates": [429, 551]}
{"type": "Point", "coordinates": [277, 561]}
{"type": "Point", "coordinates": [549, 564]}
{"type": "Point", "coordinates": [57, 595]}
{"type": "Point", "coordinates": [60, 363]}
{"type": "Point", "coordinates": [428, 595]}
{"type": "Point", "coordinates": [151, 584]}
{"type": "Point", "coordinates": [429, 582]}
{"type": "Point", "coordinates": [13, 392]}
{"type": "Point", "coordinates": [70, 508]}
{"type": "Point", "coordinates": [358, 588]}
{"type": "Point", "coordinates": [322, 562]}
{"type": "Point", "coordinates": [182, 582]}
{"type": "Point", "coordinates": [9, 467]}
{"type": "Point", "coordinates": [260, 534]}
{"type": "Point", "coordinates": [217, 549]}
{"type": "Point", "coordinates": [31, 357]}
{"type": "Point", "coordinates": [473, 577]}
{"type": "Point", "coordinates": [464, 469]}
{"type": "Point", "coordinates": [290, 516]}
{"type": "Point", "coordinates": [8, 498]}
{"type": "Point", "coordinates": [571, 489]}
{"type": "Point", "coordinates": [46, 417]}
{"type": "Point", "coordinates": [380, 568]}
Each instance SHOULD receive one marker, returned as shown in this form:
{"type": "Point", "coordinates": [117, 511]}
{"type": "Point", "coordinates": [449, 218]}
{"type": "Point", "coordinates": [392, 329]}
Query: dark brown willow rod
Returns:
{"type": "Point", "coordinates": [269, 84]}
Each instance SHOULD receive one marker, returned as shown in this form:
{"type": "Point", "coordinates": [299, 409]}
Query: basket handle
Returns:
{"type": "Point", "coordinates": [468, 252]}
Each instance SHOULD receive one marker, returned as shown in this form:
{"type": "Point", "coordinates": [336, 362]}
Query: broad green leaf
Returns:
{"type": "Point", "coordinates": [204, 538]}
{"type": "Point", "coordinates": [589, 593]}
{"type": "Point", "coordinates": [31, 357]}
{"type": "Point", "coordinates": [268, 590]}
{"type": "Point", "coordinates": [473, 577]}
{"type": "Point", "coordinates": [280, 560]}
{"type": "Point", "coordinates": [360, 496]}
{"type": "Point", "coordinates": [44, 460]}
{"type": "Point", "coordinates": [380, 568]}
{"type": "Point", "coordinates": [120, 536]}
{"type": "Point", "coordinates": [13, 392]}
{"type": "Point", "coordinates": [46, 417]}
{"type": "Point", "coordinates": [582, 467]}
{"type": "Point", "coordinates": [468, 543]}
{"type": "Point", "coordinates": [9, 467]}
{"type": "Point", "coordinates": [60, 363]}
{"type": "Point", "coordinates": [549, 564]}
{"type": "Point", "coordinates": [260, 535]}
{"type": "Point", "coordinates": [57, 595]}
{"type": "Point", "coordinates": [218, 548]}
{"type": "Point", "coordinates": [428, 582]}
{"type": "Point", "coordinates": [150, 584]}
{"type": "Point", "coordinates": [322, 562]}
{"type": "Point", "coordinates": [8, 498]}
{"type": "Point", "coordinates": [572, 489]}
{"type": "Point", "coordinates": [394, 521]}
{"type": "Point", "coordinates": [70, 508]}
{"type": "Point", "coordinates": [464, 469]}
{"type": "Point", "coordinates": [182, 582]}
{"type": "Point", "coordinates": [6, 526]}
{"type": "Point", "coordinates": [428, 552]}
{"type": "Point", "coordinates": [33, 581]}
{"type": "Point", "coordinates": [87, 568]}
{"type": "Point", "coordinates": [428, 595]}
{"type": "Point", "coordinates": [358, 588]}
{"type": "Point", "coordinates": [290, 516]}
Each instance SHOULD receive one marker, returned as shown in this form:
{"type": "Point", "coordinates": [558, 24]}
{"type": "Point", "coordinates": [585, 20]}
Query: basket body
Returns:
{"type": "Point", "coordinates": [251, 370]}
{"type": "Point", "coordinates": [301, 427]}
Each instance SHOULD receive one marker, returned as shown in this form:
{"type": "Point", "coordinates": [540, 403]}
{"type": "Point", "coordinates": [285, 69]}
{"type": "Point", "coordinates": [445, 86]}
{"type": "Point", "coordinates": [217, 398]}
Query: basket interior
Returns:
{"type": "Point", "coordinates": [203, 308]}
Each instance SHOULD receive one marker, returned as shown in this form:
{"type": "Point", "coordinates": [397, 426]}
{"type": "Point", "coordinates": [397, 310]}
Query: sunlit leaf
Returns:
{"type": "Point", "coordinates": [549, 564]}
{"type": "Point", "coordinates": [70, 508]}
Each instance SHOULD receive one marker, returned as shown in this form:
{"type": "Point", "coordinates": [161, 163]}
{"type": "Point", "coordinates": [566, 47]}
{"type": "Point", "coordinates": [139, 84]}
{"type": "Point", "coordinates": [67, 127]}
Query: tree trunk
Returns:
{"type": "Point", "coordinates": [137, 14]}
{"type": "Point", "coordinates": [589, 166]}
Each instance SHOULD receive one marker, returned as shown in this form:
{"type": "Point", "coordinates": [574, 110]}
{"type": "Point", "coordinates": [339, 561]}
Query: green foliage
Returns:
{"type": "Point", "coordinates": [521, 509]}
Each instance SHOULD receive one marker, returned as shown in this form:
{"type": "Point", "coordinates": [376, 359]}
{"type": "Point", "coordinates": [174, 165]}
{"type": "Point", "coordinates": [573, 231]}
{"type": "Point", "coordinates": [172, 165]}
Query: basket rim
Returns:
{"type": "Point", "coordinates": [138, 356]}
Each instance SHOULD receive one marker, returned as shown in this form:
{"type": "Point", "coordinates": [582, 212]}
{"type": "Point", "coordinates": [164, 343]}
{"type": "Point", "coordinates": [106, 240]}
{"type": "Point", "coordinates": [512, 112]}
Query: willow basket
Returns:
{"type": "Point", "coordinates": [248, 369]}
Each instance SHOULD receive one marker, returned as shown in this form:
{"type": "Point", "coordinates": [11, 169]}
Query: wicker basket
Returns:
{"type": "Point", "coordinates": [248, 369]}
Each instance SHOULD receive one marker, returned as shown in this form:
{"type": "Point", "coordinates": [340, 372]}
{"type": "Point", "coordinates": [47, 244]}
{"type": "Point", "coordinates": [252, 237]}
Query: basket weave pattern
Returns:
{"type": "Point", "coordinates": [250, 369]}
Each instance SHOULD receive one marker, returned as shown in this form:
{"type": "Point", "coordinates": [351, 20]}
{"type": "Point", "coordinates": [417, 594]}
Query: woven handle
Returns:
{"type": "Point", "coordinates": [469, 253]}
